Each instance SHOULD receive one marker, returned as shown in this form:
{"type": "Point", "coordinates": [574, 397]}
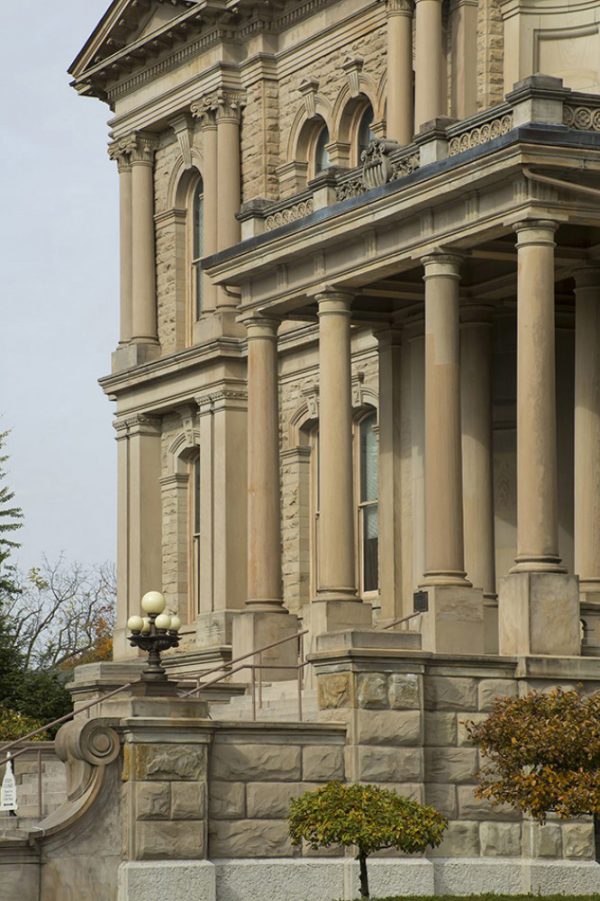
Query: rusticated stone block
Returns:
{"type": "Point", "coordinates": [372, 690]}
{"type": "Point", "coordinates": [443, 798]}
{"type": "Point", "coordinates": [500, 839]}
{"type": "Point", "coordinates": [413, 790]}
{"type": "Point", "coordinates": [322, 763]}
{"type": "Point", "coordinates": [251, 763]}
{"type": "Point", "coordinates": [335, 690]}
{"type": "Point", "coordinates": [227, 800]}
{"type": "Point", "coordinates": [164, 762]}
{"type": "Point", "coordinates": [188, 800]}
{"type": "Point", "coordinates": [404, 691]}
{"type": "Point", "coordinates": [450, 765]}
{"type": "Point", "coordinates": [578, 840]}
{"type": "Point", "coordinates": [164, 839]}
{"type": "Point", "coordinates": [460, 840]}
{"type": "Point", "coordinates": [462, 734]}
{"type": "Point", "coordinates": [446, 693]}
{"type": "Point", "coordinates": [249, 838]}
{"type": "Point", "coordinates": [153, 800]}
{"type": "Point", "coordinates": [271, 800]}
{"type": "Point", "coordinates": [490, 689]}
{"type": "Point", "coordinates": [542, 841]}
{"type": "Point", "coordinates": [440, 729]}
{"type": "Point", "coordinates": [472, 808]}
{"type": "Point", "coordinates": [389, 727]}
{"type": "Point", "coordinates": [377, 764]}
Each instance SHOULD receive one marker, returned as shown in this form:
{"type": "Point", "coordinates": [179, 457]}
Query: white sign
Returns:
{"type": "Point", "coordinates": [8, 792]}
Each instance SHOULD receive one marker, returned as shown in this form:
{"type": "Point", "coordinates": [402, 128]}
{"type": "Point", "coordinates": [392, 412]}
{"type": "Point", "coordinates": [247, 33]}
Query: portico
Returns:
{"type": "Point", "coordinates": [513, 256]}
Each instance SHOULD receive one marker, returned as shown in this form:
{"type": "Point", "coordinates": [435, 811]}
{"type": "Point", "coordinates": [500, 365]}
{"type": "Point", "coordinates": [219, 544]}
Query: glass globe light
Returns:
{"type": "Point", "coordinates": [175, 623]}
{"type": "Point", "coordinates": [135, 623]}
{"type": "Point", "coordinates": [146, 625]}
{"type": "Point", "coordinates": [153, 602]}
{"type": "Point", "coordinates": [163, 621]}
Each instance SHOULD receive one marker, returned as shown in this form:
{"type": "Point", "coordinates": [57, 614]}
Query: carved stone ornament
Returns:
{"type": "Point", "coordinates": [308, 89]}
{"type": "Point", "coordinates": [377, 166]}
{"type": "Point", "coordinates": [310, 392]}
{"type": "Point", "coordinates": [221, 104]}
{"type": "Point", "coordinates": [353, 68]}
{"type": "Point", "coordinates": [136, 147]}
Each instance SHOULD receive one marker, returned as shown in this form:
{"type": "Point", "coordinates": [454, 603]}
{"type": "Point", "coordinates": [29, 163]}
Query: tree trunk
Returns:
{"type": "Point", "coordinates": [364, 878]}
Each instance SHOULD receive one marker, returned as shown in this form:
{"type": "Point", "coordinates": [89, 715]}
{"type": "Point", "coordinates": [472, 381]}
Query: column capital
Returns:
{"type": "Point", "coordinates": [399, 7]}
{"type": "Point", "coordinates": [441, 263]}
{"type": "Point", "coordinates": [476, 314]}
{"type": "Point", "coordinates": [258, 326]}
{"type": "Point", "coordinates": [331, 301]}
{"type": "Point", "coordinates": [536, 232]}
{"type": "Point", "coordinates": [218, 106]}
{"type": "Point", "coordinates": [390, 336]}
{"type": "Point", "coordinates": [143, 147]}
{"type": "Point", "coordinates": [120, 151]}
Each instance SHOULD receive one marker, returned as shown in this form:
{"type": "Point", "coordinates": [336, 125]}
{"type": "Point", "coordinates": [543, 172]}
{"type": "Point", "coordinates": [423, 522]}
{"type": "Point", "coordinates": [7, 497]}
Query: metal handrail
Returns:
{"type": "Point", "coordinates": [404, 619]}
{"type": "Point", "coordinates": [219, 669]}
{"type": "Point", "coordinates": [61, 719]}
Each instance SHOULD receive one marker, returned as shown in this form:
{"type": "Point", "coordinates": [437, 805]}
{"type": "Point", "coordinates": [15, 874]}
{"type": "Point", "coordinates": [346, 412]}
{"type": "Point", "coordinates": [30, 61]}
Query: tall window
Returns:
{"type": "Point", "coordinates": [195, 523]}
{"type": "Point", "coordinates": [368, 512]}
{"type": "Point", "coordinates": [365, 134]}
{"type": "Point", "coordinates": [321, 152]}
{"type": "Point", "coordinates": [197, 246]}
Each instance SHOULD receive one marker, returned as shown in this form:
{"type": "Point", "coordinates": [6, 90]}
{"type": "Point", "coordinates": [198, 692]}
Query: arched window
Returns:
{"type": "Point", "coordinates": [321, 152]}
{"type": "Point", "coordinates": [365, 134]}
{"type": "Point", "coordinates": [368, 507]}
{"type": "Point", "coordinates": [197, 247]}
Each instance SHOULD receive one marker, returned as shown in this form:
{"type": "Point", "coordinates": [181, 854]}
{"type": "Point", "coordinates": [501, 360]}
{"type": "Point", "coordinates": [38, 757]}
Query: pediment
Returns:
{"type": "Point", "coordinates": [129, 23]}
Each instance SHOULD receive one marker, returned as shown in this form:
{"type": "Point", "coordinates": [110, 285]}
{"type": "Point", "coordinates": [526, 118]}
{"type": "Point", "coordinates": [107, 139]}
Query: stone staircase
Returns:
{"type": "Point", "coordinates": [279, 704]}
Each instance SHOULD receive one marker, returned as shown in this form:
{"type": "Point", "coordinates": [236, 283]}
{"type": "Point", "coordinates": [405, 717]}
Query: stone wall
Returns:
{"type": "Point", "coordinates": [39, 756]}
{"type": "Point", "coordinates": [255, 771]}
{"type": "Point", "coordinates": [407, 731]}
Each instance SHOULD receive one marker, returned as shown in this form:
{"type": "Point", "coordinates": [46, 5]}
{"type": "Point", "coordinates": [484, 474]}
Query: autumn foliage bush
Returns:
{"type": "Point", "coordinates": [370, 818]}
{"type": "Point", "coordinates": [15, 725]}
{"type": "Point", "coordinates": [543, 752]}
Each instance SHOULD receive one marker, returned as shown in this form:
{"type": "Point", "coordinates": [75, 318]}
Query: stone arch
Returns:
{"type": "Point", "coordinates": [349, 102]}
{"type": "Point", "coordinates": [181, 449]}
{"type": "Point", "coordinates": [182, 176]}
{"type": "Point", "coordinates": [305, 125]}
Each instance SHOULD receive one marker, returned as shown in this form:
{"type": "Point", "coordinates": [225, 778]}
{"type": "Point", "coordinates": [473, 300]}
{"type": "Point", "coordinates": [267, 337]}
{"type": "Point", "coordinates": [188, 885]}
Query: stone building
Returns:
{"type": "Point", "coordinates": [357, 383]}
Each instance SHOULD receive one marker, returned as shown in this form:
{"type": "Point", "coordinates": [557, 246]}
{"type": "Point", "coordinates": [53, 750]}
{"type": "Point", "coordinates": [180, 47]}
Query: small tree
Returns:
{"type": "Point", "coordinates": [544, 753]}
{"type": "Point", "coordinates": [368, 817]}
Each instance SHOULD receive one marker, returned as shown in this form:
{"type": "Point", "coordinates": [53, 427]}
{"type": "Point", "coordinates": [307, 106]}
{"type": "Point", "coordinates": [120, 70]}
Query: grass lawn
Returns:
{"type": "Point", "coordinates": [489, 897]}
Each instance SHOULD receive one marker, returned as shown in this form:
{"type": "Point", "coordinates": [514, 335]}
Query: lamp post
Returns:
{"type": "Point", "coordinates": [155, 632]}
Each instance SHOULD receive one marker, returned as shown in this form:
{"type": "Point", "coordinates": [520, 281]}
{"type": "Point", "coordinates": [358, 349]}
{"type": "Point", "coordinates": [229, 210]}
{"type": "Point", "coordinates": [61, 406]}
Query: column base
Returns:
{"type": "Point", "coordinates": [215, 629]}
{"type": "Point", "coordinates": [538, 613]}
{"type": "Point", "coordinates": [589, 607]}
{"type": "Point", "coordinates": [336, 615]}
{"type": "Point", "coordinates": [454, 621]}
{"type": "Point", "coordinates": [127, 356]}
{"type": "Point", "coordinates": [490, 624]}
{"type": "Point", "coordinates": [254, 629]}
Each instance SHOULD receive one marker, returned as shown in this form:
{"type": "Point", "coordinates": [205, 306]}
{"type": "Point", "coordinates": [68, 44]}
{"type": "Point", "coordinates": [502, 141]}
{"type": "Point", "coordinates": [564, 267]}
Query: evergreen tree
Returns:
{"type": "Point", "coordinates": [10, 520]}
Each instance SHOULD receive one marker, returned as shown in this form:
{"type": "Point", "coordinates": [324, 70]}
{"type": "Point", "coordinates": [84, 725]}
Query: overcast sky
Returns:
{"type": "Point", "coordinates": [59, 284]}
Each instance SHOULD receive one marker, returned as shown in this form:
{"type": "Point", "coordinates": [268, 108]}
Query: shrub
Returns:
{"type": "Point", "coordinates": [368, 817]}
{"type": "Point", "coordinates": [15, 725]}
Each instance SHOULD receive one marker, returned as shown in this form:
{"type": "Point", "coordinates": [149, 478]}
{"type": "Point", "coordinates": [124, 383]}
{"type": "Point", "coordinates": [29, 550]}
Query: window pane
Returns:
{"type": "Point", "coordinates": [368, 460]}
{"type": "Point", "coordinates": [365, 135]}
{"type": "Point", "coordinates": [198, 245]}
{"type": "Point", "coordinates": [370, 548]}
{"type": "Point", "coordinates": [321, 154]}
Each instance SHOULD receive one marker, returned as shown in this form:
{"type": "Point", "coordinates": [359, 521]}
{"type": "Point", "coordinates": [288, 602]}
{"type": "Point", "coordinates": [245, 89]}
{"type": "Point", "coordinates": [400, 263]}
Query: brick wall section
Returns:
{"type": "Point", "coordinates": [254, 777]}
{"type": "Point", "coordinates": [407, 732]}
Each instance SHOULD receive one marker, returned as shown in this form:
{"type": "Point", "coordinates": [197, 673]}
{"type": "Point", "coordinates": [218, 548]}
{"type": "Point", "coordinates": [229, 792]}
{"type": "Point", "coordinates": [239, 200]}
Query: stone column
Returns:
{"type": "Point", "coordinates": [399, 109]}
{"type": "Point", "coordinates": [143, 275]}
{"type": "Point", "coordinates": [444, 551]}
{"type": "Point", "coordinates": [478, 500]}
{"type": "Point", "coordinates": [539, 603]}
{"type": "Point", "coordinates": [390, 484]}
{"type": "Point", "coordinates": [265, 618]}
{"type": "Point", "coordinates": [587, 431]}
{"type": "Point", "coordinates": [464, 58]}
{"type": "Point", "coordinates": [429, 60]}
{"type": "Point", "coordinates": [340, 605]}
{"type": "Point", "coordinates": [139, 518]}
{"type": "Point", "coordinates": [476, 404]}
{"type": "Point", "coordinates": [229, 185]}
{"type": "Point", "coordinates": [117, 152]}
{"type": "Point", "coordinates": [454, 621]}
